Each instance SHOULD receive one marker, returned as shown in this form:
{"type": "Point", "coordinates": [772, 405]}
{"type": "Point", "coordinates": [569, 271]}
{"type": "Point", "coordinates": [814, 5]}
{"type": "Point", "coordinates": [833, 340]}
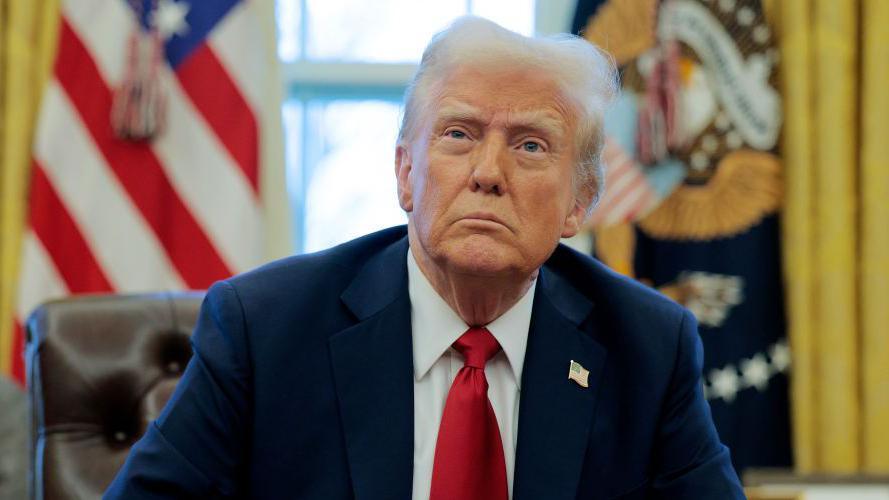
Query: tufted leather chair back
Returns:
{"type": "Point", "coordinates": [100, 368]}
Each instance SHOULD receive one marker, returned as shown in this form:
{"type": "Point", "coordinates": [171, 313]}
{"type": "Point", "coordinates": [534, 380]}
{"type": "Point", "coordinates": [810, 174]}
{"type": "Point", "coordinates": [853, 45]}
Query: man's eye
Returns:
{"type": "Point", "coordinates": [531, 147]}
{"type": "Point", "coordinates": [456, 134]}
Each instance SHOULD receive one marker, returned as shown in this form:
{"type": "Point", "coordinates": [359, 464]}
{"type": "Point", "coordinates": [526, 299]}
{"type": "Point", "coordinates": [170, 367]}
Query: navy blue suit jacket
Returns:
{"type": "Point", "coordinates": [301, 386]}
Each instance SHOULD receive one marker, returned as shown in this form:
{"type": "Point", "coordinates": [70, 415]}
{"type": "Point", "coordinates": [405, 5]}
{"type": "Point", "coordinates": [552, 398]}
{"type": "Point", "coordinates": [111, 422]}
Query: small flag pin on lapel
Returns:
{"type": "Point", "coordinates": [579, 374]}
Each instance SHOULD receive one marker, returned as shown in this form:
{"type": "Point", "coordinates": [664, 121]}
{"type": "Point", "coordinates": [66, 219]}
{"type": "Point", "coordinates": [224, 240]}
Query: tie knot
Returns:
{"type": "Point", "coordinates": [477, 346]}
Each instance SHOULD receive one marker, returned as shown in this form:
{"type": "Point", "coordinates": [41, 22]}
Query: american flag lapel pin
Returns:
{"type": "Point", "coordinates": [579, 374]}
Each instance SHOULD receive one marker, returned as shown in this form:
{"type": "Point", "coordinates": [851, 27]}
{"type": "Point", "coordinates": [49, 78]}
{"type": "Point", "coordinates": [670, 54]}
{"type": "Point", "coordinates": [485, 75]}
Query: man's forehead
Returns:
{"type": "Point", "coordinates": [521, 94]}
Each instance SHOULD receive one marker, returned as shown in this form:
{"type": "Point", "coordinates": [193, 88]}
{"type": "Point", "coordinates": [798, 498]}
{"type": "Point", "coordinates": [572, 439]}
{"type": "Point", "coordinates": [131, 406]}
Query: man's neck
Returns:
{"type": "Point", "coordinates": [478, 300]}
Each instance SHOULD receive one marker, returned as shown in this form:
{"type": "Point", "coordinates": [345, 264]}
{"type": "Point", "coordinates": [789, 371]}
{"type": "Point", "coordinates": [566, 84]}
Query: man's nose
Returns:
{"type": "Point", "coordinates": [488, 166]}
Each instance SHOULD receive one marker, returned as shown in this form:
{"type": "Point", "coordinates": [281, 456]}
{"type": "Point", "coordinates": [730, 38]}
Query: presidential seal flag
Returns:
{"type": "Point", "coordinates": [693, 187]}
{"type": "Point", "coordinates": [147, 167]}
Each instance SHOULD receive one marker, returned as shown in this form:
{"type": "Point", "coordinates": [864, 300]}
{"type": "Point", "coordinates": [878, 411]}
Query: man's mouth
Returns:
{"type": "Point", "coordinates": [485, 217]}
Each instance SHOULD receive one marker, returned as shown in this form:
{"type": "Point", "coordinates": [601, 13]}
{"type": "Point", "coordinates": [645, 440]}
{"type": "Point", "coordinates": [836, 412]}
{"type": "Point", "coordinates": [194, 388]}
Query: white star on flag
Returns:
{"type": "Point", "coordinates": [755, 372]}
{"type": "Point", "coordinates": [169, 18]}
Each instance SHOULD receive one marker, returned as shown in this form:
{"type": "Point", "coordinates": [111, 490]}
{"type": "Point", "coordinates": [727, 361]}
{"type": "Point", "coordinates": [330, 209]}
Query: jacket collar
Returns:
{"type": "Point", "coordinates": [435, 326]}
{"type": "Point", "coordinates": [373, 371]}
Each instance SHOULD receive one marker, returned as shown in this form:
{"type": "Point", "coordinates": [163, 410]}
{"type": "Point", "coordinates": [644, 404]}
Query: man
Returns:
{"type": "Point", "coordinates": [467, 356]}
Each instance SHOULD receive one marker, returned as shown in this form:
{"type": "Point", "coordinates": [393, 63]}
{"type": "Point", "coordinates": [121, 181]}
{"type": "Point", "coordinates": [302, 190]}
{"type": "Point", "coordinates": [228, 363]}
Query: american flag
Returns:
{"type": "Point", "coordinates": [176, 212]}
{"type": "Point", "coordinates": [628, 193]}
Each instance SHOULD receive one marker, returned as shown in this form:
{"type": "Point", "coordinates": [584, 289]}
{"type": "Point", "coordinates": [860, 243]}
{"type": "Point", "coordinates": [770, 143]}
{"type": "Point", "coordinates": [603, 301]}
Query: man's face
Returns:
{"type": "Point", "coordinates": [487, 174]}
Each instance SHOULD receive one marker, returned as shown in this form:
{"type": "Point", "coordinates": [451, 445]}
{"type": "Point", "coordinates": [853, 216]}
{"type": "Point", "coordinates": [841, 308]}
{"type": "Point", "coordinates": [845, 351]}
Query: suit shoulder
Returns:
{"type": "Point", "coordinates": [605, 287]}
{"type": "Point", "coordinates": [641, 328]}
{"type": "Point", "coordinates": [628, 313]}
{"type": "Point", "coordinates": [328, 267]}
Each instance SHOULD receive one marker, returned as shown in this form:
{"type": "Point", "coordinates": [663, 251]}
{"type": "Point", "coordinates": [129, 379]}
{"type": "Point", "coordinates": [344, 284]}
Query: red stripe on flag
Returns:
{"type": "Point", "coordinates": [616, 198]}
{"type": "Point", "coordinates": [60, 235]}
{"type": "Point", "coordinates": [18, 353]}
{"type": "Point", "coordinates": [613, 196]}
{"type": "Point", "coordinates": [137, 168]}
{"type": "Point", "coordinates": [643, 200]}
{"type": "Point", "coordinates": [219, 101]}
{"type": "Point", "coordinates": [618, 171]}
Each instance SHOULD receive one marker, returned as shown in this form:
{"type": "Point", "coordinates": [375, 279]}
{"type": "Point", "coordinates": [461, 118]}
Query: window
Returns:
{"type": "Point", "coordinates": [346, 64]}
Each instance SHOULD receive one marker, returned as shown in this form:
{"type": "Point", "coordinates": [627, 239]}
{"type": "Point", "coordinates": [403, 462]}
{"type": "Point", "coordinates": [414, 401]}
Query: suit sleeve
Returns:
{"type": "Point", "coordinates": [690, 461]}
{"type": "Point", "coordinates": [196, 447]}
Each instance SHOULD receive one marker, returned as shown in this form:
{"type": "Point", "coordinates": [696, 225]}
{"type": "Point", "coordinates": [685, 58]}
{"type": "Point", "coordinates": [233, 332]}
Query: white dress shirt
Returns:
{"type": "Point", "coordinates": [434, 327]}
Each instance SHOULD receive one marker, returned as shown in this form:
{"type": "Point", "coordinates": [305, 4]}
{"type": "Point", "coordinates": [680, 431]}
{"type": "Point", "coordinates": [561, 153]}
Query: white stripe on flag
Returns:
{"type": "Point", "coordinates": [104, 27]}
{"type": "Point", "coordinates": [611, 205]}
{"type": "Point", "coordinates": [40, 280]}
{"type": "Point", "coordinates": [120, 239]}
{"type": "Point", "coordinates": [209, 182]}
{"type": "Point", "coordinates": [238, 42]}
{"type": "Point", "coordinates": [622, 207]}
{"type": "Point", "coordinates": [618, 180]}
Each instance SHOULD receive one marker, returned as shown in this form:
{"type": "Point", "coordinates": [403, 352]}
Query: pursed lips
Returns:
{"type": "Point", "coordinates": [485, 216]}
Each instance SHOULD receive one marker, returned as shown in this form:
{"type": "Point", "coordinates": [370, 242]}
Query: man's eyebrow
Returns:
{"type": "Point", "coordinates": [464, 113]}
{"type": "Point", "coordinates": [536, 120]}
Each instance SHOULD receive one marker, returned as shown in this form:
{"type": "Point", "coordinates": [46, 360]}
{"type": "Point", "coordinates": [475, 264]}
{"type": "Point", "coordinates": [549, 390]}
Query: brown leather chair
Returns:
{"type": "Point", "coordinates": [100, 368]}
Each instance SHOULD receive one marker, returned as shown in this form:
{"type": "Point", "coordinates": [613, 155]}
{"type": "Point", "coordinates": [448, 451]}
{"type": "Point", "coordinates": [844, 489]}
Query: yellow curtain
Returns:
{"type": "Point", "coordinates": [835, 69]}
{"type": "Point", "coordinates": [28, 31]}
{"type": "Point", "coordinates": [874, 254]}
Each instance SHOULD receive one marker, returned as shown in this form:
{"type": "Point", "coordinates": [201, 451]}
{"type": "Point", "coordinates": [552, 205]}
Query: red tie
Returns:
{"type": "Point", "coordinates": [469, 463]}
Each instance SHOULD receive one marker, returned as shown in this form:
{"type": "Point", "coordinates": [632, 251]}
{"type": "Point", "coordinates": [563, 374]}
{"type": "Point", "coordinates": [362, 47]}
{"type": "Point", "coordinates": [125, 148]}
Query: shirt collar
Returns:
{"type": "Point", "coordinates": [435, 326]}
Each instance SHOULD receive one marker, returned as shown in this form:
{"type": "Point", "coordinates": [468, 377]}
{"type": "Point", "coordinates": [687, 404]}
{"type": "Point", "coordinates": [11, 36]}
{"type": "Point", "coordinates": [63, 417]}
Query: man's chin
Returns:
{"type": "Point", "coordinates": [482, 255]}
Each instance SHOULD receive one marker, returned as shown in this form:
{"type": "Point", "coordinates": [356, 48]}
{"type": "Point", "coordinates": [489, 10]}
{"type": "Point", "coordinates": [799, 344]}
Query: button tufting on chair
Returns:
{"type": "Point", "coordinates": [100, 369]}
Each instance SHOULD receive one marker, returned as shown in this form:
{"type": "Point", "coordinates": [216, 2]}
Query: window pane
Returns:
{"type": "Point", "coordinates": [515, 15]}
{"type": "Point", "coordinates": [377, 31]}
{"type": "Point", "coordinates": [350, 188]}
{"type": "Point", "coordinates": [292, 117]}
{"type": "Point", "coordinates": [383, 30]}
{"type": "Point", "coordinates": [288, 17]}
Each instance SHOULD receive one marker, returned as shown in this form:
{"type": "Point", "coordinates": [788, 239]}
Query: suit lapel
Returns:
{"type": "Point", "coordinates": [373, 372]}
{"type": "Point", "coordinates": [555, 413]}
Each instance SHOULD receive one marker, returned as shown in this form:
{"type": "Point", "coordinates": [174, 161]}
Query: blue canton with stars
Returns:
{"type": "Point", "coordinates": [202, 16]}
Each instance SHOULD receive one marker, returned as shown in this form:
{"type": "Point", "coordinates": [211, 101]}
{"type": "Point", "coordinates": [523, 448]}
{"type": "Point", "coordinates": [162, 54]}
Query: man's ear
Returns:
{"type": "Point", "coordinates": [577, 215]}
{"type": "Point", "coordinates": [403, 165]}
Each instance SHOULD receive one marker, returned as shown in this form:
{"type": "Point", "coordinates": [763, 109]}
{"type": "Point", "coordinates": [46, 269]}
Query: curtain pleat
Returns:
{"type": "Point", "coordinates": [835, 65]}
{"type": "Point", "coordinates": [874, 242]}
{"type": "Point", "coordinates": [797, 223]}
{"type": "Point", "coordinates": [28, 34]}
